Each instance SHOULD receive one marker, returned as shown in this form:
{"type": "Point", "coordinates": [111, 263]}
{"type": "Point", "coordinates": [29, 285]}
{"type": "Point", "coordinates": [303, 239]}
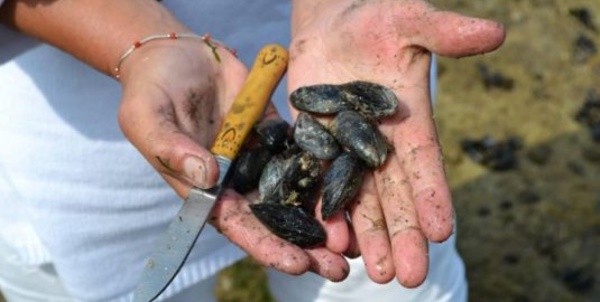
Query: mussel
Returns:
{"type": "Point", "coordinates": [335, 129]}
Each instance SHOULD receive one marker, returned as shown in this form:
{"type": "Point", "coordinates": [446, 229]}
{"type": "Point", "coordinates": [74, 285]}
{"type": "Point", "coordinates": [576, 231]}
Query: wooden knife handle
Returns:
{"type": "Point", "coordinates": [250, 103]}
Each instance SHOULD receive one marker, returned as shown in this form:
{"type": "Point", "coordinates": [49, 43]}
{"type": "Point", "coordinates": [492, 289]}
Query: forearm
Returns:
{"type": "Point", "coordinates": [95, 31]}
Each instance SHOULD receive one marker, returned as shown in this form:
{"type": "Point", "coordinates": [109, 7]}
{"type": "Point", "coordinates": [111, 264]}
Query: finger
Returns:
{"type": "Point", "coordinates": [414, 139]}
{"type": "Point", "coordinates": [153, 129]}
{"type": "Point", "coordinates": [328, 264]}
{"type": "Point", "coordinates": [409, 245]}
{"type": "Point", "coordinates": [336, 230]}
{"type": "Point", "coordinates": [454, 35]}
{"type": "Point", "coordinates": [372, 233]}
{"type": "Point", "coordinates": [353, 250]}
{"type": "Point", "coordinates": [233, 218]}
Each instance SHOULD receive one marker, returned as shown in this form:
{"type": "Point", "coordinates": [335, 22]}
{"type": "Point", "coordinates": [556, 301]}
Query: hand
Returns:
{"type": "Point", "coordinates": [175, 95]}
{"type": "Point", "coordinates": [407, 201]}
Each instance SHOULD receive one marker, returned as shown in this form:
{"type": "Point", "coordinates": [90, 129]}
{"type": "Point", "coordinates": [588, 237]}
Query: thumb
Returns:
{"type": "Point", "coordinates": [167, 147]}
{"type": "Point", "coordinates": [454, 35]}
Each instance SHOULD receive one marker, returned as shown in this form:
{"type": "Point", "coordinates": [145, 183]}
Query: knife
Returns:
{"type": "Point", "coordinates": [175, 245]}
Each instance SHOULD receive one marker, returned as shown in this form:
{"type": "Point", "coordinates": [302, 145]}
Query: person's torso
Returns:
{"type": "Point", "coordinates": [72, 189]}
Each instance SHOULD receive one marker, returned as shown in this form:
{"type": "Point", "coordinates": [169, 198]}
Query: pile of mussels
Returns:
{"type": "Point", "coordinates": [287, 165]}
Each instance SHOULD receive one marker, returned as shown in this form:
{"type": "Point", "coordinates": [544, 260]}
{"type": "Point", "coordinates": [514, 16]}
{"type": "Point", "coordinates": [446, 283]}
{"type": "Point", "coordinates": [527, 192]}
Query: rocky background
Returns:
{"type": "Point", "coordinates": [521, 135]}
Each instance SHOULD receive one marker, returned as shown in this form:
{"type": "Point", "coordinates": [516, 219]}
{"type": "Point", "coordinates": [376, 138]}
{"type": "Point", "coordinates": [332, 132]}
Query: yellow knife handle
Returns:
{"type": "Point", "coordinates": [250, 103]}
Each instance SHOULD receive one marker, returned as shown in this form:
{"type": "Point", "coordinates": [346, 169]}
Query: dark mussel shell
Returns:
{"type": "Point", "coordinates": [269, 186]}
{"type": "Point", "coordinates": [300, 183]}
{"type": "Point", "coordinates": [274, 135]}
{"type": "Point", "coordinates": [248, 169]}
{"type": "Point", "coordinates": [320, 99]}
{"type": "Point", "coordinates": [373, 100]}
{"type": "Point", "coordinates": [341, 183]}
{"type": "Point", "coordinates": [290, 223]}
{"type": "Point", "coordinates": [291, 181]}
{"type": "Point", "coordinates": [312, 137]}
{"type": "Point", "coordinates": [358, 135]}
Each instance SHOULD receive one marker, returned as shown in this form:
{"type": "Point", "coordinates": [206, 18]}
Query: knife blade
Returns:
{"type": "Point", "coordinates": [176, 243]}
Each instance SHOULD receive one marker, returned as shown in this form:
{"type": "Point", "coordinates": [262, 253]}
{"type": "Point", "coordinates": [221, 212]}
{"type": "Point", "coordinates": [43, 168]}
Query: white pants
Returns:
{"type": "Point", "coordinates": [445, 283]}
{"type": "Point", "coordinates": [21, 283]}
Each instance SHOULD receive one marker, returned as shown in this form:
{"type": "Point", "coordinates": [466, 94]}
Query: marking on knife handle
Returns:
{"type": "Point", "coordinates": [266, 60]}
{"type": "Point", "coordinates": [227, 139]}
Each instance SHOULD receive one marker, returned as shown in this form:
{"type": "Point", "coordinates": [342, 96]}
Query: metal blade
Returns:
{"type": "Point", "coordinates": [176, 244]}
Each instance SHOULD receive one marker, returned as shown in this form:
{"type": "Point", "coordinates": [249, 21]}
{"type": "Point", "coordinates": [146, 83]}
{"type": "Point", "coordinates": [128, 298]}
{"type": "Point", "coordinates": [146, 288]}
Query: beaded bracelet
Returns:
{"type": "Point", "coordinates": [206, 38]}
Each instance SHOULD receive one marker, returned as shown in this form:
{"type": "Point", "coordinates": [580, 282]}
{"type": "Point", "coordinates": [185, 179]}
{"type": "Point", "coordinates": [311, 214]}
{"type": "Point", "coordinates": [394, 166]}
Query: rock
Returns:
{"type": "Point", "coordinates": [583, 49]}
{"type": "Point", "coordinates": [584, 16]}
{"type": "Point", "coordinates": [540, 155]}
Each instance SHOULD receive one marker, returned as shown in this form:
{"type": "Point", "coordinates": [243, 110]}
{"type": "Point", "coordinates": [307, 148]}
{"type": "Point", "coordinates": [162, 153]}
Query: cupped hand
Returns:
{"type": "Point", "coordinates": [406, 202]}
{"type": "Point", "coordinates": [175, 96]}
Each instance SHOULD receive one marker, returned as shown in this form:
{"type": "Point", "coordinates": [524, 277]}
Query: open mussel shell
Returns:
{"type": "Point", "coordinates": [358, 135]}
{"type": "Point", "coordinates": [341, 183]}
{"type": "Point", "coordinates": [372, 100]}
{"type": "Point", "coordinates": [312, 136]}
{"type": "Point", "coordinates": [290, 223]}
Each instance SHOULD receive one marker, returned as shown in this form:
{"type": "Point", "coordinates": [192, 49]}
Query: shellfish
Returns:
{"type": "Point", "coordinates": [290, 181]}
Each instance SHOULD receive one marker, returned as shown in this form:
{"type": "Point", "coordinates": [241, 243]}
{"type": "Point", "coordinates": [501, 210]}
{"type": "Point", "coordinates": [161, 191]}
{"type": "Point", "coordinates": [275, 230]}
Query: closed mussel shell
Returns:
{"type": "Point", "coordinates": [341, 183]}
{"type": "Point", "coordinates": [290, 223]}
{"type": "Point", "coordinates": [248, 169]}
{"type": "Point", "coordinates": [269, 186]}
{"type": "Point", "coordinates": [372, 100]}
{"type": "Point", "coordinates": [358, 135]}
{"type": "Point", "coordinates": [321, 99]}
{"type": "Point", "coordinates": [274, 135]}
{"type": "Point", "coordinates": [313, 137]}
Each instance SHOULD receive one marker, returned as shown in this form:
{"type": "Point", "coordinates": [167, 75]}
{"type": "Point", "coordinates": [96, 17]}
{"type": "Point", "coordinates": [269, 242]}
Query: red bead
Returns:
{"type": "Point", "coordinates": [137, 44]}
{"type": "Point", "coordinates": [172, 36]}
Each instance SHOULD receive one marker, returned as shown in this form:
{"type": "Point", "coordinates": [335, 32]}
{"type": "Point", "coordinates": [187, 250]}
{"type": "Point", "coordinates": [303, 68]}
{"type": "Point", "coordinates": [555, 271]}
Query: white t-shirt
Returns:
{"type": "Point", "coordinates": [73, 191]}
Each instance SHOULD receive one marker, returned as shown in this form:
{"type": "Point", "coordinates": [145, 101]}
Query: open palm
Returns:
{"type": "Point", "coordinates": [406, 202]}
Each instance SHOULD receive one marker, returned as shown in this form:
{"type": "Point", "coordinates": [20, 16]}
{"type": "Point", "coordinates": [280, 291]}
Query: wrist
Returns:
{"type": "Point", "coordinates": [160, 57]}
{"type": "Point", "coordinates": [173, 55]}
{"type": "Point", "coordinates": [206, 39]}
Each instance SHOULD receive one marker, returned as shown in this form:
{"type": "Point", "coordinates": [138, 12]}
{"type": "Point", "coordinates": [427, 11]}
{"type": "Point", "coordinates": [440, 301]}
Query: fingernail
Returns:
{"type": "Point", "coordinates": [195, 171]}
